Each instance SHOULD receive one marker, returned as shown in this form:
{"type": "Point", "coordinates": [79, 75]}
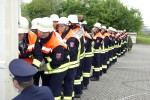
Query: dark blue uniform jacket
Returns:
{"type": "Point", "coordinates": [35, 93]}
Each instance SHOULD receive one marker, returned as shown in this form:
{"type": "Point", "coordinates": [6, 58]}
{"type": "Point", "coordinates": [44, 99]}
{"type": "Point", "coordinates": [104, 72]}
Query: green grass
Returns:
{"type": "Point", "coordinates": [143, 39]}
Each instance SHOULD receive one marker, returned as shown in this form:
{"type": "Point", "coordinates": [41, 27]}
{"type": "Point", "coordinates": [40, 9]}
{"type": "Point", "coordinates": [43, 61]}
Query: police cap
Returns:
{"type": "Point", "coordinates": [21, 70]}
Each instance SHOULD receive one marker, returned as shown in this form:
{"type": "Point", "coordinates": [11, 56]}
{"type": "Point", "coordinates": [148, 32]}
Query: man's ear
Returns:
{"type": "Point", "coordinates": [15, 82]}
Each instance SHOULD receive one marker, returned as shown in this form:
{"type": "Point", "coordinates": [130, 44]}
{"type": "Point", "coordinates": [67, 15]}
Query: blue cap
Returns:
{"type": "Point", "coordinates": [22, 70]}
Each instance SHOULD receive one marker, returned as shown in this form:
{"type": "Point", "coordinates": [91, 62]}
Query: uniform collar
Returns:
{"type": "Point", "coordinates": [27, 88]}
{"type": "Point", "coordinates": [43, 41]}
{"type": "Point", "coordinates": [65, 33]}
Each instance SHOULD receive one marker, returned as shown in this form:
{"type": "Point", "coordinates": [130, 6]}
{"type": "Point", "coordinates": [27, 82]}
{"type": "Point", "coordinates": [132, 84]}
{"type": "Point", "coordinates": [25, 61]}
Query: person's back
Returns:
{"type": "Point", "coordinates": [35, 93]}
{"type": "Point", "coordinates": [22, 75]}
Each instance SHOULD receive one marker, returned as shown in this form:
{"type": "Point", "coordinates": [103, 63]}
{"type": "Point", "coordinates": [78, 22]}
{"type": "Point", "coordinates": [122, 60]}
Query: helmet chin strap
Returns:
{"type": "Point", "coordinates": [67, 27]}
{"type": "Point", "coordinates": [73, 26]}
{"type": "Point", "coordinates": [97, 31]}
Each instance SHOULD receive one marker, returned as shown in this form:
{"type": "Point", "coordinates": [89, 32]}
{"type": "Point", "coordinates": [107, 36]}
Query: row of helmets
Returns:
{"type": "Point", "coordinates": [45, 24]}
{"type": "Point", "coordinates": [98, 25]}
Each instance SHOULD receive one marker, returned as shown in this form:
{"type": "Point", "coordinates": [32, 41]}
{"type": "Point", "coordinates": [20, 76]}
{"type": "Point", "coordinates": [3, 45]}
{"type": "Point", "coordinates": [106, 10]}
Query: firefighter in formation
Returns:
{"type": "Point", "coordinates": [66, 55]}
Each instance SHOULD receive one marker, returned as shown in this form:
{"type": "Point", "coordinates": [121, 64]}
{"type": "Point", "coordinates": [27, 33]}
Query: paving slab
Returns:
{"type": "Point", "coordinates": [128, 79]}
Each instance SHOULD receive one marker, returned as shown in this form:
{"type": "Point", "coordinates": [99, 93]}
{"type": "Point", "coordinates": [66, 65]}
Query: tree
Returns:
{"type": "Point", "coordinates": [39, 8]}
{"type": "Point", "coordinates": [108, 12]}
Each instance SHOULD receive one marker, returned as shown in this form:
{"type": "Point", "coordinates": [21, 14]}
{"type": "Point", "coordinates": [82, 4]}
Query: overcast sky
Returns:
{"type": "Point", "coordinates": [143, 6]}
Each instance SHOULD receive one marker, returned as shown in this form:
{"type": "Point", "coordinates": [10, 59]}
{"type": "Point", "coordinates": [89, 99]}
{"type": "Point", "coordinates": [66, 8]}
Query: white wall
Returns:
{"type": "Point", "coordinates": [8, 45]}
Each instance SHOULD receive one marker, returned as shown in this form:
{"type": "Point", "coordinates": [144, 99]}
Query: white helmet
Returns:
{"type": "Point", "coordinates": [23, 25]}
{"type": "Point", "coordinates": [118, 31]}
{"type": "Point", "coordinates": [121, 31]}
{"type": "Point", "coordinates": [114, 30]}
{"type": "Point", "coordinates": [98, 25]}
{"type": "Point", "coordinates": [73, 18]}
{"type": "Point", "coordinates": [110, 28]}
{"type": "Point", "coordinates": [124, 30]}
{"type": "Point", "coordinates": [104, 27]}
{"type": "Point", "coordinates": [35, 23]}
{"type": "Point", "coordinates": [63, 20]}
{"type": "Point", "coordinates": [54, 17]}
{"type": "Point", "coordinates": [46, 25]}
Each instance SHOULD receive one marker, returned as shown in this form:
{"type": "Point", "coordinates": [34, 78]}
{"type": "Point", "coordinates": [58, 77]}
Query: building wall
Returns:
{"type": "Point", "coordinates": [8, 45]}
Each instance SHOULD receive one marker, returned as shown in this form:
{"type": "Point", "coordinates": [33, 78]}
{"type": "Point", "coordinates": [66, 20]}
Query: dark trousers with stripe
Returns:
{"type": "Point", "coordinates": [78, 87]}
{"type": "Point", "coordinates": [96, 63]}
{"type": "Point", "coordinates": [111, 56]}
{"type": "Point", "coordinates": [120, 50]}
{"type": "Point", "coordinates": [68, 85]}
{"type": "Point", "coordinates": [55, 82]}
{"type": "Point", "coordinates": [114, 51]}
{"type": "Point", "coordinates": [117, 52]}
{"type": "Point", "coordinates": [104, 57]}
{"type": "Point", "coordinates": [108, 53]}
{"type": "Point", "coordinates": [37, 77]}
{"type": "Point", "coordinates": [87, 69]}
{"type": "Point", "coordinates": [107, 59]}
{"type": "Point", "coordinates": [115, 55]}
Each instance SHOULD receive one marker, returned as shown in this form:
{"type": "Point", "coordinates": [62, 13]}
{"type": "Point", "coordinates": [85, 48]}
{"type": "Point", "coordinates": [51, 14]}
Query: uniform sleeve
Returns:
{"type": "Point", "coordinates": [97, 43]}
{"type": "Point", "coordinates": [23, 53]}
{"type": "Point", "coordinates": [82, 44]}
{"type": "Point", "coordinates": [88, 44]}
{"type": "Point", "coordinates": [37, 54]}
{"type": "Point", "coordinates": [73, 45]}
{"type": "Point", "coordinates": [59, 57]}
{"type": "Point", "coordinates": [110, 41]}
{"type": "Point", "coordinates": [106, 42]}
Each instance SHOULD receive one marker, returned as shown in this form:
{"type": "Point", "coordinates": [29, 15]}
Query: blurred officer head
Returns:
{"type": "Point", "coordinates": [97, 27]}
{"type": "Point", "coordinates": [22, 73]}
{"type": "Point", "coordinates": [45, 27]}
{"type": "Point", "coordinates": [63, 24]}
{"type": "Point", "coordinates": [55, 19]}
{"type": "Point", "coordinates": [23, 27]}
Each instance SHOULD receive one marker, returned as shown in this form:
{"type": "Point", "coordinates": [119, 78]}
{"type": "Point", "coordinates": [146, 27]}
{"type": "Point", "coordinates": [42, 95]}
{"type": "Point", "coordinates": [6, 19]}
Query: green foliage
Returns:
{"type": "Point", "coordinates": [143, 38]}
{"type": "Point", "coordinates": [39, 8]}
{"type": "Point", "coordinates": [108, 12]}
{"type": "Point", "coordinates": [140, 34]}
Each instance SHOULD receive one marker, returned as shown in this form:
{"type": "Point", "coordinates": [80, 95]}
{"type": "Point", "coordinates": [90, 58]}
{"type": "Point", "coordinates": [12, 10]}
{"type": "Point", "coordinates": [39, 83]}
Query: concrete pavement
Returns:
{"type": "Point", "coordinates": [128, 79]}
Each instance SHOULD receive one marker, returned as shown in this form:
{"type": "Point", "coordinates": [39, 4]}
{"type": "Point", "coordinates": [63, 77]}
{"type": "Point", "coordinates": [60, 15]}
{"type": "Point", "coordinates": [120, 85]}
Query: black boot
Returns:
{"type": "Point", "coordinates": [94, 79]}
{"type": "Point", "coordinates": [104, 71]}
{"type": "Point", "coordinates": [85, 87]}
{"type": "Point", "coordinates": [100, 74]}
{"type": "Point", "coordinates": [77, 96]}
